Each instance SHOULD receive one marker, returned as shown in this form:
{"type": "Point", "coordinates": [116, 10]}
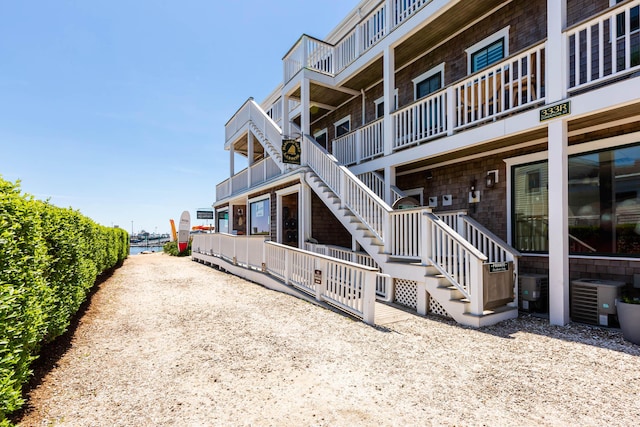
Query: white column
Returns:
{"type": "Point", "coordinates": [304, 214]}
{"type": "Point", "coordinates": [389, 91]}
{"type": "Point", "coordinates": [558, 224]}
{"type": "Point", "coordinates": [556, 63]}
{"type": "Point", "coordinates": [286, 119]}
{"type": "Point", "coordinates": [305, 116]}
{"type": "Point", "coordinates": [389, 181]}
{"type": "Point", "coordinates": [558, 166]}
{"type": "Point", "coordinates": [250, 148]}
{"type": "Point", "coordinates": [232, 155]}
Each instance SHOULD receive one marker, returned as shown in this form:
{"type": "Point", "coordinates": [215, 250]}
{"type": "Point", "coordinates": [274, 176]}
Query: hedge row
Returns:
{"type": "Point", "coordinates": [50, 258]}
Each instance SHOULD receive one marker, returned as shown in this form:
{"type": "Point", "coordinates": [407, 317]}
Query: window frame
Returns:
{"type": "Point", "coordinates": [346, 119]}
{"type": "Point", "coordinates": [486, 42]}
{"type": "Point", "coordinates": [438, 69]}
{"type": "Point", "coordinates": [249, 216]}
{"type": "Point", "coordinates": [380, 100]}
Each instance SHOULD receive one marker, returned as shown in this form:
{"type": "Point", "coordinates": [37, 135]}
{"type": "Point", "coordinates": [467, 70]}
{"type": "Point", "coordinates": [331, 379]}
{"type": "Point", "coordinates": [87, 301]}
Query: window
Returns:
{"type": "Point", "coordinates": [223, 221]}
{"type": "Point", "coordinates": [379, 103]}
{"type": "Point", "coordinates": [343, 126]}
{"type": "Point", "coordinates": [488, 51]}
{"type": "Point", "coordinates": [429, 82]}
{"type": "Point", "coordinates": [321, 137]}
{"type": "Point", "coordinates": [259, 217]}
{"type": "Point", "coordinates": [604, 203]}
{"type": "Point", "coordinates": [634, 37]}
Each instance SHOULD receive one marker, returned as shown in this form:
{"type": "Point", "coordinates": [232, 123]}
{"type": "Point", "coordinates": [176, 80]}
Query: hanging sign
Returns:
{"type": "Point", "coordinates": [291, 151]}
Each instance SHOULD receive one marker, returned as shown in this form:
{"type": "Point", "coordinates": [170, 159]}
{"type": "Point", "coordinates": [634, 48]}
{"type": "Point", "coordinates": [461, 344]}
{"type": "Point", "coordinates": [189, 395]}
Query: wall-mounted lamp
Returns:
{"type": "Point", "coordinates": [428, 174]}
{"type": "Point", "coordinates": [472, 188]}
{"type": "Point", "coordinates": [491, 179]}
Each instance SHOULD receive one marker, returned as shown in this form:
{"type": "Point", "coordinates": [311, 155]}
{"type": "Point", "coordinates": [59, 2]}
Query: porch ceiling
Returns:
{"type": "Point", "coordinates": [475, 150]}
{"type": "Point", "coordinates": [324, 96]}
{"type": "Point", "coordinates": [447, 24]}
{"type": "Point", "coordinates": [583, 129]}
{"type": "Point", "coordinates": [367, 77]}
{"type": "Point", "coordinates": [241, 146]}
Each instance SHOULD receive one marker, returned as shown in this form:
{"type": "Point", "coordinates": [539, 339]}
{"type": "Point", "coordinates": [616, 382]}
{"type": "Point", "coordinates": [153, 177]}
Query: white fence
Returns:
{"type": "Point", "coordinates": [605, 47]}
{"type": "Point", "coordinates": [345, 285]}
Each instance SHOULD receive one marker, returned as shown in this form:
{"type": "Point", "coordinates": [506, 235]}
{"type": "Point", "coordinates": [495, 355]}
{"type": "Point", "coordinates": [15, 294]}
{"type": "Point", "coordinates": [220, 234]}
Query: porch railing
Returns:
{"type": "Point", "coordinates": [512, 84]}
{"type": "Point", "coordinates": [605, 47]}
{"type": "Point", "coordinates": [345, 285]}
{"type": "Point", "coordinates": [375, 182]}
{"type": "Point", "coordinates": [260, 172]}
{"type": "Point", "coordinates": [424, 119]}
{"type": "Point", "coordinates": [323, 57]}
{"type": "Point", "coordinates": [363, 143]}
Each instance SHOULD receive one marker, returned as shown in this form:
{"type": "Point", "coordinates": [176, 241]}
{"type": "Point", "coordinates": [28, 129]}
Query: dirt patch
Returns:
{"type": "Point", "coordinates": [167, 341]}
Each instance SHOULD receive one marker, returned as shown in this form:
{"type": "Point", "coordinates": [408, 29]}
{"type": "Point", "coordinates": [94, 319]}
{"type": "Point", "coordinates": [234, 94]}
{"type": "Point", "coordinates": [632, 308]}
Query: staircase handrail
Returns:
{"type": "Point", "coordinates": [252, 113]}
{"type": "Point", "coordinates": [458, 260]}
{"type": "Point", "coordinates": [354, 194]}
{"type": "Point", "coordinates": [395, 191]}
{"type": "Point", "coordinates": [475, 226]}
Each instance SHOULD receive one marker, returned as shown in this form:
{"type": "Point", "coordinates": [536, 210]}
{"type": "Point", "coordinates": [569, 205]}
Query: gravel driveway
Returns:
{"type": "Point", "coordinates": [167, 341]}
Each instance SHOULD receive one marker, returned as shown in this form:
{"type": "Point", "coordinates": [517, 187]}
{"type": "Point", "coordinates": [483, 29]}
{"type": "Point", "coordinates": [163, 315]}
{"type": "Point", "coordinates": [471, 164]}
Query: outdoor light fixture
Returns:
{"type": "Point", "coordinates": [428, 174]}
{"type": "Point", "coordinates": [472, 188]}
{"type": "Point", "coordinates": [491, 178]}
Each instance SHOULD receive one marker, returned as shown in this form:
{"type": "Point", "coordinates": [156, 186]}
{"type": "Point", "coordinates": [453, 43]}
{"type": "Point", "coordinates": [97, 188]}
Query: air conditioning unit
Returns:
{"type": "Point", "coordinates": [533, 293]}
{"type": "Point", "coordinates": [593, 301]}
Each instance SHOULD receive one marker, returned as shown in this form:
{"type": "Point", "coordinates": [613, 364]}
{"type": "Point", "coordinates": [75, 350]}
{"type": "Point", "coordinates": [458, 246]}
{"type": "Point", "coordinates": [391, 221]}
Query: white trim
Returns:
{"type": "Point", "coordinates": [340, 122]}
{"type": "Point", "coordinates": [297, 188]}
{"type": "Point", "coordinates": [424, 76]}
{"type": "Point", "coordinates": [319, 133]}
{"type": "Point", "coordinates": [415, 192]}
{"type": "Point", "coordinates": [381, 100]}
{"type": "Point", "coordinates": [248, 213]}
{"type": "Point", "coordinates": [601, 144]}
{"type": "Point", "coordinates": [501, 34]}
{"type": "Point", "coordinates": [289, 190]}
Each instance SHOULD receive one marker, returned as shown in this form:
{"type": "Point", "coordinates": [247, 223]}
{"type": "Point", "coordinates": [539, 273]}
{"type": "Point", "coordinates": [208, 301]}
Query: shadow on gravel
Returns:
{"type": "Point", "coordinates": [51, 353]}
{"type": "Point", "coordinates": [602, 337]}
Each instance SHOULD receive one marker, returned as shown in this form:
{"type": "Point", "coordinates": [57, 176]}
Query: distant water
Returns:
{"type": "Point", "coordinates": [138, 249]}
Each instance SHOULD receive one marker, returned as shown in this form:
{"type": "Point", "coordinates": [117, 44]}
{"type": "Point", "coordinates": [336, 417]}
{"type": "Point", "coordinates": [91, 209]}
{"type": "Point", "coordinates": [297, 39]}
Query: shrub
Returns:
{"type": "Point", "coordinates": [49, 260]}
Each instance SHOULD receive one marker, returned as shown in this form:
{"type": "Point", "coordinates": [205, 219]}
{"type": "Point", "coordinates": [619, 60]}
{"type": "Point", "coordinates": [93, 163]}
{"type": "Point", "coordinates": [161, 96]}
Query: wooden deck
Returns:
{"type": "Point", "coordinates": [387, 314]}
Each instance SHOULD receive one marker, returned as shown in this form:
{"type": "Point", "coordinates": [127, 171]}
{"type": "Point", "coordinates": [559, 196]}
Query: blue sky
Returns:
{"type": "Point", "coordinates": [117, 108]}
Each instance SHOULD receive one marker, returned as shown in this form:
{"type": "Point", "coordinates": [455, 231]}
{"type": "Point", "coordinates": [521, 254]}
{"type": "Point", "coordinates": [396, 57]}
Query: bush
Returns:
{"type": "Point", "coordinates": [171, 248]}
{"type": "Point", "coordinates": [49, 260]}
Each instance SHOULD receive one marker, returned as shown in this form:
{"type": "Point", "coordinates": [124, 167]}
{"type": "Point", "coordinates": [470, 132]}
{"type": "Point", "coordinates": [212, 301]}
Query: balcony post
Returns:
{"type": "Point", "coordinates": [250, 148]}
{"type": "Point", "coordinates": [389, 181]}
{"type": "Point", "coordinates": [389, 16]}
{"type": "Point", "coordinates": [451, 109]}
{"type": "Point", "coordinates": [231, 162]}
{"type": "Point", "coordinates": [389, 92]}
{"type": "Point", "coordinates": [557, 60]}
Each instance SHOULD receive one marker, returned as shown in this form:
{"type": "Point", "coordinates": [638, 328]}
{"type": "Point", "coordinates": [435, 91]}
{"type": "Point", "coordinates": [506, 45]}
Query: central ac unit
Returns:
{"type": "Point", "coordinates": [533, 292]}
{"type": "Point", "coordinates": [593, 301]}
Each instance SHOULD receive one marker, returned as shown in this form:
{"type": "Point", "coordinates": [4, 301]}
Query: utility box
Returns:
{"type": "Point", "coordinates": [533, 293]}
{"type": "Point", "coordinates": [498, 283]}
{"type": "Point", "coordinates": [593, 301]}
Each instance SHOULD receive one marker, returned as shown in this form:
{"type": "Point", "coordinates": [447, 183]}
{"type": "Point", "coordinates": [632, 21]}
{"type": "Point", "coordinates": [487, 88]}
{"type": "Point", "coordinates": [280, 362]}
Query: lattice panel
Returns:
{"type": "Point", "coordinates": [436, 308]}
{"type": "Point", "coordinates": [406, 293]}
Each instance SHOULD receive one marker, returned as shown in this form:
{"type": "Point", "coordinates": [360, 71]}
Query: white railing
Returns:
{"type": "Point", "coordinates": [502, 88]}
{"type": "Point", "coordinates": [311, 53]}
{"type": "Point", "coordinates": [223, 189]}
{"type": "Point", "coordinates": [323, 57]}
{"type": "Point", "coordinates": [345, 285]}
{"type": "Point", "coordinates": [403, 9]}
{"type": "Point", "coordinates": [251, 116]}
{"type": "Point", "coordinates": [373, 28]}
{"type": "Point", "coordinates": [383, 281]}
{"type": "Point", "coordinates": [456, 259]}
{"type": "Point", "coordinates": [375, 182]}
{"type": "Point", "coordinates": [240, 181]}
{"type": "Point", "coordinates": [263, 171]}
{"type": "Point", "coordinates": [363, 202]}
{"type": "Point", "coordinates": [406, 225]}
{"type": "Point", "coordinates": [605, 47]}
{"type": "Point", "coordinates": [492, 246]}
{"type": "Point", "coordinates": [361, 144]}
{"type": "Point", "coordinates": [424, 119]}
{"type": "Point", "coordinates": [275, 112]}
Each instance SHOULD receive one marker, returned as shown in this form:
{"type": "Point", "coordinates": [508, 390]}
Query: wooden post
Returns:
{"type": "Point", "coordinates": [369, 298]}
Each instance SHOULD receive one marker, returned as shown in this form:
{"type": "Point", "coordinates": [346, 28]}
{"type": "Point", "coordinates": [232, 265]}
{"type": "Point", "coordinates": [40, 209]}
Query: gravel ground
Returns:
{"type": "Point", "coordinates": [167, 341]}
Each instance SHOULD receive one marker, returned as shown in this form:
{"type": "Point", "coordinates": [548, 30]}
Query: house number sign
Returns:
{"type": "Point", "coordinates": [498, 267]}
{"type": "Point", "coordinates": [554, 111]}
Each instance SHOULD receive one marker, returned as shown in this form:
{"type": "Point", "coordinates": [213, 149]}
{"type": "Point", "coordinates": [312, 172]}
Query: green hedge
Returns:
{"type": "Point", "coordinates": [50, 258]}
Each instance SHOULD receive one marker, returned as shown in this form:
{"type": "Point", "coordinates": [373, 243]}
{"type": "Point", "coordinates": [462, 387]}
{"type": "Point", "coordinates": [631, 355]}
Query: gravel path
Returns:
{"type": "Point", "coordinates": [170, 342]}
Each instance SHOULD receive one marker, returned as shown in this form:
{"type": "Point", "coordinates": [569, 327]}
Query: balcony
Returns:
{"type": "Point", "coordinates": [250, 177]}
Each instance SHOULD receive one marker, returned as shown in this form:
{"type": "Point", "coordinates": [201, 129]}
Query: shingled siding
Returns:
{"type": "Point", "coordinates": [580, 268]}
{"type": "Point", "coordinates": [325, 227]}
